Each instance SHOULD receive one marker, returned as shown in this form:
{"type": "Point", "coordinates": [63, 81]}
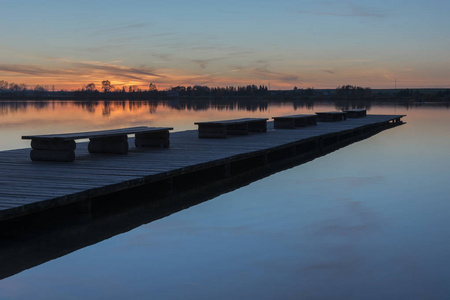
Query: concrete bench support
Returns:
{"type": "Point", "coordinates": [291, 122]}
{"type": "Point", "coordinates": [356, 113]}
{"type": "Point", "coordinates": [152, 139]}
{"type": "Point", "coordinates": [220, 129]}
{"type": "Point", "coordinates": [113, 145]}
{"type": "Point", "coordinates": [331, 116]}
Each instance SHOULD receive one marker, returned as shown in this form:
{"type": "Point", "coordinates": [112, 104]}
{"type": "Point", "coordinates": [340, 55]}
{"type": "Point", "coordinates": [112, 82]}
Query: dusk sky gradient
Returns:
{"type": "Point", "coordinates": [286, 43]}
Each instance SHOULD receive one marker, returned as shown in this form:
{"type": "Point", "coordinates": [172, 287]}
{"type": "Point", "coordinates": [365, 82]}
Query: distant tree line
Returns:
{"type": "Point", "coordinates": [353, 92]}
{"type": "Point", "coordinates": [107, 91]}
{"type": "Point", "coordinates": [218, 92]}
{"type": "Point", "coordinates": [14, 90]}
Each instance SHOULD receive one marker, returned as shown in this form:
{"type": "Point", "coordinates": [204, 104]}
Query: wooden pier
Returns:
{"type": "Point", "coordinates": [28, 187]}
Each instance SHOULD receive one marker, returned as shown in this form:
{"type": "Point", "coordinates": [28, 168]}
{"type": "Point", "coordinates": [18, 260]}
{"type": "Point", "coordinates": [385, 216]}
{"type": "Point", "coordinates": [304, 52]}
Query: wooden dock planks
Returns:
{"type": "Point", "coordinates": [27, 186]}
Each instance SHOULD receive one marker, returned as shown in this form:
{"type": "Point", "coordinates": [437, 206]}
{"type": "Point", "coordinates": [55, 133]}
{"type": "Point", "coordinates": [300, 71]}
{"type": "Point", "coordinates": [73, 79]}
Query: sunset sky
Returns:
{"type": "Point", "coordinates": [281, 44]}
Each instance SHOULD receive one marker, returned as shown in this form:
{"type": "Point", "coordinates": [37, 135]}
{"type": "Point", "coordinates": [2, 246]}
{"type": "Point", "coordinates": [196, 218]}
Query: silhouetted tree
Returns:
{"type": "Point", "coordinates": [14, 87]}
{"type": "Point", "coordinates": [3, 85]}
{"type": "Point", "coordinates": [353, 92]}
{"type": "Point", "coordinates": [39, 88]}
{"type": "Point", "coordinates": [152, 88]}
{"type": "Point", "coordinates": [133, 89]}
{"type": "Point", "coordinates": [90, 87]}
{"type": "Point", "coordinates": [106, 86]}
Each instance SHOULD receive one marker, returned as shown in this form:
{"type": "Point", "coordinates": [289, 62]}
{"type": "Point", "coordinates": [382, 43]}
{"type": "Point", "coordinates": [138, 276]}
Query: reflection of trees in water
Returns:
{"type": "Point", "coordinates": [13, 107]}
{"type": "Point", "coordinates": [106, 111]}
{"type": "Point", "coordinates": [300, 105]}
{"type": "Point", "coordinates": [352, 104]}
{"type": "Point", "coordinates": [89, 106]}
{"type": "Point", "coordinates": [152, 108]}
{"type": "Point", "coordinates": [219, 105]}
{"type": "Point", "coordinates": [250, 105]}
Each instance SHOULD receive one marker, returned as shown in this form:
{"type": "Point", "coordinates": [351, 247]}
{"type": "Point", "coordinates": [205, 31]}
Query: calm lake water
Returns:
{"type": "Point", "coordinates": [368, 221]}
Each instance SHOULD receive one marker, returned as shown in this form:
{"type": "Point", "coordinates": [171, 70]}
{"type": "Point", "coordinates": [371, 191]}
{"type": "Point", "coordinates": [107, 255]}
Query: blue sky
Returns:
{"type": "Point", "coordinates": [321, 44]}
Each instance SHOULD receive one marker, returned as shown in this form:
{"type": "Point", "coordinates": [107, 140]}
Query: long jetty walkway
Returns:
{"type": "Point", "coordinates": [28, 187]}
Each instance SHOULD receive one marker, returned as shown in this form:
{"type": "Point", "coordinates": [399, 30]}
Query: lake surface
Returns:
{"type": "Point", "coordinates": [368, 221]}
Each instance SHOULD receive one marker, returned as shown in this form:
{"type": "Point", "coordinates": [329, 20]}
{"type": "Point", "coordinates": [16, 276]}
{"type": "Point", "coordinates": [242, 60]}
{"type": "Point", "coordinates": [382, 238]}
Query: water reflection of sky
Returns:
{"type": "Point", "coordinates": [369, 221]}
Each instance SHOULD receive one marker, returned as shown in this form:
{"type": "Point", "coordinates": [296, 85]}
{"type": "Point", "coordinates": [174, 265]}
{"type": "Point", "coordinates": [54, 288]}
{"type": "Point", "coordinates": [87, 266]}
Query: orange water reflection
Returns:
{"type": "Point", "coordinates": [19, 118]}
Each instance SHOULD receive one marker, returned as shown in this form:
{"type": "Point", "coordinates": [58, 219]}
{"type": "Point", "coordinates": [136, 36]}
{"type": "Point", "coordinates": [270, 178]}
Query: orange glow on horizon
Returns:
{"type": "Point", "coordinates": [375, 79]}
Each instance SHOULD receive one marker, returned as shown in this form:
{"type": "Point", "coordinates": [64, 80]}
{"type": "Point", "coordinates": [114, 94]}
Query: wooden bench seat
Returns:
{"type": "Point", "coordinates": [290, 122]}
{"type": "Point", "coordinates": [356, 113]}
{"type": "Point", "coordinates": [331, 116]}
{"type": "Point", "coordinates": [61, 147]}
{"type": "Point", "coordinates": [220, 129]}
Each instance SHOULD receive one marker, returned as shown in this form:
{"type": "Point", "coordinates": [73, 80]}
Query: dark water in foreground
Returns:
{"type": "Point", "coordinates": [369, 221]}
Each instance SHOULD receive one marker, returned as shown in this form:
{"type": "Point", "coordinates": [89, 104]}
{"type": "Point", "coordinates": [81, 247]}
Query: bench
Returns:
{"type": "Point", "coordinates": [61, 147]}
{"type": "Point", "coordinates": [290, 122]}
{"type": "Point", "coordinates": [220, 129]}
{"type": "Point", "coordinates": [356, 113]}
{"type": "Point", "coordinates": [331, 116]}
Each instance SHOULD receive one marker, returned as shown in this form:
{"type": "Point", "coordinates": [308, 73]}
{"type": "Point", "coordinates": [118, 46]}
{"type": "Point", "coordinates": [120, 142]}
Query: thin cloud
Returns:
{"type": "Point", "coordinates": [226, 53]}
{"type": "Point", "coordinates": [115, 30]}
{"type": "Point", "coordinates": [117, 42]}
{"type": "Point", "coordinates": [260, 71]}
{"type": "Point", "coordinates": [346, 9]}
{"type": "Point", "coordinates": [263, 72]}
{"type": "Point", "coordinates": [32, 70]}
{"type": "Point", "coordinates": [203, 63]}
{"type": "Point", "coordinates": [83, 69]}
{"type": "Point", "coordinates": [162, 57]}
{"type": "Point", "coordinates": [117, 69]}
